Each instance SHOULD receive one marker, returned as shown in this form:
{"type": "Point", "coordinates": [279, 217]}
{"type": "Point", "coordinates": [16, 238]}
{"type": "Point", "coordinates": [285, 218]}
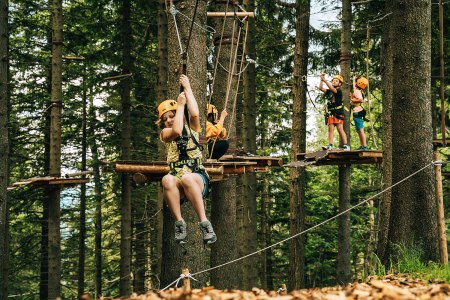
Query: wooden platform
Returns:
{"type": "Point", "coordinates": [228, 166]}
{"type": "Point", "coordinates": [50, 181]}
{"type": "Point", "coordinates": [338, 157]}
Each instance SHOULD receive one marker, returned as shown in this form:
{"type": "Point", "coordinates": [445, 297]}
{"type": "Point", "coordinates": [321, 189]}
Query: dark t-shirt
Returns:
{"type": "Point", "coordinates": [334, 101]}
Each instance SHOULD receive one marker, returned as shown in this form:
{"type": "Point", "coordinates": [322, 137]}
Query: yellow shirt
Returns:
{"type": "Point", "coordinates": [215, 131]}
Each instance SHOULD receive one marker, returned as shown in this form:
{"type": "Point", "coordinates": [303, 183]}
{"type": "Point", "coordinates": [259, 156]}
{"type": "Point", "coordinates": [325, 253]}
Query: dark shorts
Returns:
{"type": "Point", "coordinates": [205, 179]}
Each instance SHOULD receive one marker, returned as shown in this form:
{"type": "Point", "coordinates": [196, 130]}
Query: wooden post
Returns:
{"type": "Point", "coordinates": [186, 281]}
{"type": "Point", "coordinates": [440, 207]}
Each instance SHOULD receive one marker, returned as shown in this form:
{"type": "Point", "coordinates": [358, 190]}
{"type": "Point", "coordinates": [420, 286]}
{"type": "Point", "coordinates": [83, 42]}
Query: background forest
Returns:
{"type": "Point", "coordinates": [115, 73]}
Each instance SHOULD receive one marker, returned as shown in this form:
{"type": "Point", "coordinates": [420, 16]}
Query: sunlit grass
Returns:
{"type": "Point", "coordinates": [409, 261]}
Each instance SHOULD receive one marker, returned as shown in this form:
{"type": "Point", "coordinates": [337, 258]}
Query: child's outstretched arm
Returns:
{"type": "Point", "coordinates": [322, 79]}
{"type": "Point", "coordinates": [194, 114]}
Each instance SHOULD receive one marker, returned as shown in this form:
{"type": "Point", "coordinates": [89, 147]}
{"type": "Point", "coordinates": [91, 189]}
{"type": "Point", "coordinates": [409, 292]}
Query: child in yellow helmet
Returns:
{"type": "Point", "coordinates": [335, 108]}
{"type": "Point", "coordinates": [187, 177]}
{"type": "Point", "coordinates": [359, 84]}
{"type": "Point", "coordinates": [216, 133]}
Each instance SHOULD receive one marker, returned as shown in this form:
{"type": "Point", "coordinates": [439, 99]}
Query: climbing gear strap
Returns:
{"type": "Point", "coordinates": [191, 163]}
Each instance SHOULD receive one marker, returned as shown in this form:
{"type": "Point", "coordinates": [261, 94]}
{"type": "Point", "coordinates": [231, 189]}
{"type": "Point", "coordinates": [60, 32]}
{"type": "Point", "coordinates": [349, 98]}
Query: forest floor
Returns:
{"type": "Point", "coordinates": [387, 287]}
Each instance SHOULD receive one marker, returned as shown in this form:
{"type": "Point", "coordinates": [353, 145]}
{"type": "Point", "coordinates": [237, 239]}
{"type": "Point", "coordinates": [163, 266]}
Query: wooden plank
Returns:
{"type": "Point", "coordinates": [68, 181]}
{"type": "Point", "coordinates": [21, 183]}
{"type": "Point", "coordinates": [230, 14]}
{"type": "Point", "coordinates": [438, 143]}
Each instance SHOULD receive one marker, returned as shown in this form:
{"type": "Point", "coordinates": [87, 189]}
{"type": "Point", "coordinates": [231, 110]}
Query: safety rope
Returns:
{"type": "Point", "coordinates": [176, 281]}
{"type": "Point", "coordinates": [184, 56]}
{"type": "Point", "coordinates": [215, 72]}
{"type": "Point", "coordinates": [369, 109]}
{"type": "Point", "coordinates": [239, 75]}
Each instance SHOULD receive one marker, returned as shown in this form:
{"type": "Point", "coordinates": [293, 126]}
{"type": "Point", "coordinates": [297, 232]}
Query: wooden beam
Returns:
{"type": "Point", "coordinates": [230, 14]}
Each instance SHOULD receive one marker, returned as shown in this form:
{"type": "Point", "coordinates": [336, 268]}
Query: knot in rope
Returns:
{"type": "Point", "coordinates": [182, 276]}
{"type": "Point", "coordinates": [173, 10]}
{"type": "Point", "coordinates": [250, 60]}
{"type": "Point", "coordinates": [438, 162]}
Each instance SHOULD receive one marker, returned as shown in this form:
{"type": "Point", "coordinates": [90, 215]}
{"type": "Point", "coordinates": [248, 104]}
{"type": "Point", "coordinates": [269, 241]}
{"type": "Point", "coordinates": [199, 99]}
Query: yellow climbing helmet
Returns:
{"type": "Point", "coordinates": [362, 82]}
{"type": "Point", "coordinates": [212, 109]}
{"type": "Point", "coordinates": [165, 106]}
{"type": "Point", "coordinates": [339, 77]}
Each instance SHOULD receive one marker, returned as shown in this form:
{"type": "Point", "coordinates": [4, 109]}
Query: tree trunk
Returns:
{"type": "Point", "coordinates": [298, 184]}
{"type": "Point", "coordinates": [343, 259]}
{"type": "Point", "coordinates": [4, 147]}
{"type": "Point", "coordinates": [161, 95]}
{"type": "Point", "coordinates": [125, 226]}
{"type": "Point", "coordinates": [139, 246]}
{"type": "Point", "coordinates": [413, 221]}
{"type": "Point", "coordinates": [192, 255]}
{"type": "Point", "coordinates": [249, 207]}
{"type": "Point", "coordinates": [54, 218]}
{"type": "Point", "coordinates": [98, 191]}
{"type": "Point", "coordinates": [387, 90]}
{"type": "Point", "coordinates": [82, 241]}
{"type": "Point", "coordinates": [265, 238]}
{"type": "Point", "coordinates": [223, 208]}
{"type": "Point", "coordinates": [43, 278]}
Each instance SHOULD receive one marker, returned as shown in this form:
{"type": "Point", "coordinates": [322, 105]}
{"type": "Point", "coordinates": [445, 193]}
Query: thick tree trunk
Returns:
{"type": "Point", "coordinates": [161, 95]}
{"type": "Point", "coordinates": [249, 206]}
{"type": "Point", "coordinates": [82, 241]}
{"type": "Point", "coordinates": [413, 221]}
{"type": "Point", "coordinates": [343, 259]}
{"type": "Point", "coordinates": [387, 90]}
{"type": "Point", "coordinates": [192, 255]}
{"type": "Point", "coordinates": [298, 184]}
{"type": "Point", "coordinates": [223, 207]}
{"type": "Point", "coordinates": [125, 224]}
{"type": "Point", "coordinates": [54, 234]}
{"type": "Point", "coordinates": [139, 246]}
{"type": "Point", "coordinates": [4, 148]}
{"type": "Point", "coordinates": [98, 191]}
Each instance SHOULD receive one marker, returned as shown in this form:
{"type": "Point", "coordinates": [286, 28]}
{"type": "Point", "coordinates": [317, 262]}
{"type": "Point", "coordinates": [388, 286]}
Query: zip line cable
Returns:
{"type": "Point", "coordinates": [315, 226]}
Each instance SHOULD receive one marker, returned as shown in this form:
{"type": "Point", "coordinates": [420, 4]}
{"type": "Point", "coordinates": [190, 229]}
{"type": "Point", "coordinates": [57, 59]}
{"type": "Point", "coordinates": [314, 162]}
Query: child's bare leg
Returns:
{"type": "Point", "coordinates": [362, 137]}
{"type": "Point", "coordinates": [340, 128]}
{"type": "Point", "coordinates": [172, 187]}
{"type": "Point", "coordinates": [330, 133]}
{"type": "Point", "coordinates": [193, 187]}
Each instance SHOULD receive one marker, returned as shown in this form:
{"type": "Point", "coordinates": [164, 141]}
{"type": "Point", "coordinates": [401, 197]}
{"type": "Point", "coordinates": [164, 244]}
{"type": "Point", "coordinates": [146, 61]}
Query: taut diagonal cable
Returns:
{"type": "Point", "coordinates": [317, 225]}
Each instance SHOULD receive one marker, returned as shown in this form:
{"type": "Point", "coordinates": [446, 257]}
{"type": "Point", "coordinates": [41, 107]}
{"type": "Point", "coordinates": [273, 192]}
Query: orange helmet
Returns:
{"type": "Point", "coordinates": [166, 106]}
{"type": "Point", "coordinates": [212, 109]}
{"type": "Point", "coordinates": [362, 82]}
{"type": "Point", "coordinates": [339, 77]}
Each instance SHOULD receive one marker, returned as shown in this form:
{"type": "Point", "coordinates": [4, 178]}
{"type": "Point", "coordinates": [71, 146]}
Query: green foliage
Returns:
{"type": "Point", "coordinates": [409, 261]}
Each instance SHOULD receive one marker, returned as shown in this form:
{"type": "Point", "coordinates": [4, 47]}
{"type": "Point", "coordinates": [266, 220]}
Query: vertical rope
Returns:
{"type": "Point", "coordinates": [372, 131]}
{"type": "Point", "coordinates": [239, 76]}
